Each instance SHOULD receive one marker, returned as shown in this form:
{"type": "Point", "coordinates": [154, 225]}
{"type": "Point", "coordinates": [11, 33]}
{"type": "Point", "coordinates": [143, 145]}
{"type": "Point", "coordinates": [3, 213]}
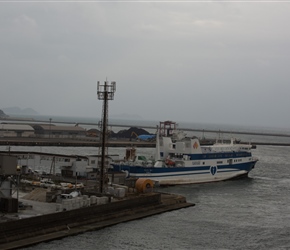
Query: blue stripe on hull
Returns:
{"type": "Point", "coordinates": [228, 171]}
{"type": "Point", "coordinates": [218, 155]}
{"type": "Point", "coordinates": [156, 170]}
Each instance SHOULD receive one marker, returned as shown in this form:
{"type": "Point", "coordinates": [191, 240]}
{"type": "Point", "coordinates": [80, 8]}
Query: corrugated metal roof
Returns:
{"type": "Point", "coordinates": [62, 128]}
{"type": "Point", "coordinates": [22, 127]}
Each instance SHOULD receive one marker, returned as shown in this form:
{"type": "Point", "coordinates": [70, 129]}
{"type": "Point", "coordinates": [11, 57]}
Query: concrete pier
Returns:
{"type": "Point", "coordinates": [55, 225]}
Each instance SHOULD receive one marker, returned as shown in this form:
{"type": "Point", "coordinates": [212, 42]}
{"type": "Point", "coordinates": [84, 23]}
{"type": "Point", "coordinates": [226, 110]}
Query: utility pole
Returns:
{"type": "Point", "coordinates": [105, 92]}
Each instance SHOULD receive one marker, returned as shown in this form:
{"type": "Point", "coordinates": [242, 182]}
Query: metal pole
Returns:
{"type": "Point", "coordinates": [104, 133]}
{"type": "Point", "coordinates": [18, 181]}
{"type": "Point", "coordinates": [105, 93]}
{"type": "Point", "coordinates": [49, 127]}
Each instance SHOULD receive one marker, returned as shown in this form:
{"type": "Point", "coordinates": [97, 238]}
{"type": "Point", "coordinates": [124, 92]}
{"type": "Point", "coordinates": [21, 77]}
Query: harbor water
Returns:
{"type": "Point", "coordinates": [250, 213]}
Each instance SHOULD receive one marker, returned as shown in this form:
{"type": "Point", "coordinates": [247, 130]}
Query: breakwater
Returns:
{"type": "Point", "coordinates": [90, 142]}
{"type": "Point", "coordinates": [257, 137]}
{"type": "Point", "coordinates": [66, 142]}
{"type": "Point", "coordinates": [116, 125]}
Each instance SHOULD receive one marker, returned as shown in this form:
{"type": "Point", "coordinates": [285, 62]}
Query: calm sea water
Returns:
{"type": "Point", "coordinates": [252, 213]}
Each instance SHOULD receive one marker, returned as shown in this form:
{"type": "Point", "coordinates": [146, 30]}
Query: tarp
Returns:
{"type": "Point", "coordinates": [146, 137]}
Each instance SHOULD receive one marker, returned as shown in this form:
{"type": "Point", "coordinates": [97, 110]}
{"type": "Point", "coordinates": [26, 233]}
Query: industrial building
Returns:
{"type": "Point", "coordinates": [16, 130]}
{"type": "Point", "coordinates": [55, 131]}
{"type": "Point", "coordinates": [41, 131]}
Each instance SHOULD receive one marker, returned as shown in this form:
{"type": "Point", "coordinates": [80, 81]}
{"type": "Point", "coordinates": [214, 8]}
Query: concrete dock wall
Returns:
{"type": "Point", "coordinates": [50, 223]}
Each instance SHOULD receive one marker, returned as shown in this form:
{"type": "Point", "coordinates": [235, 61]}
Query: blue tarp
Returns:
{"type": "Point", "coordinates": [146, 137]}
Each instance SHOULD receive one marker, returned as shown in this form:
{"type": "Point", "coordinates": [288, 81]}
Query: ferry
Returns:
{"type": "Point", "coordinates": [182, 160]}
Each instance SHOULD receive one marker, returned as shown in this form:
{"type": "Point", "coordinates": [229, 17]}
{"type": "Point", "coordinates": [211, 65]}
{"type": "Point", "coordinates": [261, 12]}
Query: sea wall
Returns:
{"type": "Point", "coordinates": [42, 225]}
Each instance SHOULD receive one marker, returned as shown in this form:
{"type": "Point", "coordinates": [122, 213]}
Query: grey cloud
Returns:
{"type": "Point", "coordinates": [214, 62]}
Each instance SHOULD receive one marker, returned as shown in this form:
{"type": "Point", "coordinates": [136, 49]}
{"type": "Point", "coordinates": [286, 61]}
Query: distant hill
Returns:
{"type": "Point", "coordinates": [19, 111]}
{"type": "Point", "coordinates": [2, 114]}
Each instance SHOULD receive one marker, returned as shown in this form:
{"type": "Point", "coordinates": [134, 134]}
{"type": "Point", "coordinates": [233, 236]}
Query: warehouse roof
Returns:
{"type": "Point", "coordinates": [53, 127]}
{"type": "Point", "coordinates": [15, 127]}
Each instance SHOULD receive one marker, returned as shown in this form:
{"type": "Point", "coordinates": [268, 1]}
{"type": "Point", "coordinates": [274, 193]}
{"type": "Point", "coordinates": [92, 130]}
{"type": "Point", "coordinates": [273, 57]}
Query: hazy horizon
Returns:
{"type": "Point", "coordinates": [151, 122]}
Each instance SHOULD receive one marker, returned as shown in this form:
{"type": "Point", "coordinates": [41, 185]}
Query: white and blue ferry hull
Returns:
{"type": "Point", "coordinates": [188, 175]}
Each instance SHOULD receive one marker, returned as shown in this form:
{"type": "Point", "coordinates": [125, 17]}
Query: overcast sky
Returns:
{"type": "Point", "coordinates": [209, 62]}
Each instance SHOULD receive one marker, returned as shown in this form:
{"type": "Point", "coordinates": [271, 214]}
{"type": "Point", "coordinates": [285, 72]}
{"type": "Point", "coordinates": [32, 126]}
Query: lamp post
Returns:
{"type": "Point", "coordinates": [105, 92]}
